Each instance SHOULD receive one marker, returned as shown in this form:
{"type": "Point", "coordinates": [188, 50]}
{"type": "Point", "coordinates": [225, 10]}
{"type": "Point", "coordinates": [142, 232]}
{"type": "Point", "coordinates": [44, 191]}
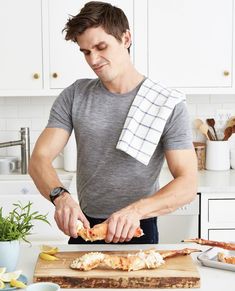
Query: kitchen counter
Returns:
{"type": "Point", "coordinates": [211, 279]}
{"type": "Point", "coordinates": [208, 181]}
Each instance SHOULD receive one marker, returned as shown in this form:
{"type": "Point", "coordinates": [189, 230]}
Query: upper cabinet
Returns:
{"type": "Point", "coordinates": [21, 45]}
{"type": "Point", "coordinates": [186, 44]}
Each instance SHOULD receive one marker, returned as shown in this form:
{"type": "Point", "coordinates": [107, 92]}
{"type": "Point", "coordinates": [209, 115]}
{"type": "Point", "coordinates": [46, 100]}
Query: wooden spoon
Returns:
{"type": "Point", "coordinates": [197, 123]}
{"type": "Point", "coordinates": [227, 132]}
{"type": "Point", "coordinates": [204, 129]}
{"type": "Point", "coordinates": [231, 121]}
{"type": "Point", "coordinates": [233, 128]}
{"type": "Point", "coordinates": [211, 123]}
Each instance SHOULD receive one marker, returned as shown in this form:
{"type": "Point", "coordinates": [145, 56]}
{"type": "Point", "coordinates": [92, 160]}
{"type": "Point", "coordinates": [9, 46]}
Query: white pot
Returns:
{"type": "Point", "coordinates": [9, 254]}
{"type": "Point", "coordinates": [217, 155]}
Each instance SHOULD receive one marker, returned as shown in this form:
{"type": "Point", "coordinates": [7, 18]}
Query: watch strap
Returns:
{"type": "Point", "coordinates": [61, 190]}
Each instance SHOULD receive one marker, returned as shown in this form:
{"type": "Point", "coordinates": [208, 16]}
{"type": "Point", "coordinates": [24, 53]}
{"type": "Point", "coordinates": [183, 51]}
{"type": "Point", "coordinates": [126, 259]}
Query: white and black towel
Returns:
{"type": "Point", "coordinates": [146, 120]}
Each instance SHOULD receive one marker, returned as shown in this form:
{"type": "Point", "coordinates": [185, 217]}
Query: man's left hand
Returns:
{"type": "Point", "coordinates": [122, 225]}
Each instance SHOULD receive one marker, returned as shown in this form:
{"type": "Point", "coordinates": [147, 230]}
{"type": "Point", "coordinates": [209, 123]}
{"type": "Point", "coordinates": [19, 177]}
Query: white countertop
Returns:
{"type": "Point", "coordinates": [211, 279]}
{"type": "Point", "coordinates": [208, 181]}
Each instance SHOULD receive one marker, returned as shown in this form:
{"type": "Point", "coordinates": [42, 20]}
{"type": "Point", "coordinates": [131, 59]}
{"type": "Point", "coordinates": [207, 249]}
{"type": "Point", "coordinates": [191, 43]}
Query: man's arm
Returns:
{"type": "Point", "coordinates": [48, 146]}
{"type": "Point", "coordinates": [181, 190]}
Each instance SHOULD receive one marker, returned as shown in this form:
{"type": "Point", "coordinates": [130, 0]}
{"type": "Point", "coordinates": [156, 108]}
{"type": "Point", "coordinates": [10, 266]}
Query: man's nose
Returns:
{"type": "Point", "coordinates": [94, 59]}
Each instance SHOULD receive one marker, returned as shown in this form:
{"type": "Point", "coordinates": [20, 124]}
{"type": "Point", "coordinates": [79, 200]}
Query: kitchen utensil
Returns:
{"type": "Point", "coordinates": [233, 128]}
{"type": "Point", "coordinates": [178, 272]}
{"type": "Point", "coordinates": [231, 121]}
{"type": "Point", "coordinates": [227, 132]}
{"type": "Point", "coordinates": [204, 130]}
{"type": "Point", "coordinates": [197, 123]}
{"type": "Point", "coordinates": [211, 123]}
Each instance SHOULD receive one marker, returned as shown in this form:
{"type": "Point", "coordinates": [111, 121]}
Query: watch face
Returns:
{"type": "Point", "coordinates": [56, 191]}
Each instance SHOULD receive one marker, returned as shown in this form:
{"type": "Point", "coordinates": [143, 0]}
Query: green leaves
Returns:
{"type": "Point", "coordinates": [19, 222]}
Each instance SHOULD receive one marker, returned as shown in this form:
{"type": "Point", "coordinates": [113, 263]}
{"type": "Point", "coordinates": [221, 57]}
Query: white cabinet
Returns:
{"type": "Point", "coordinates": [218, 216]}
{"type": "Point", "coordinates": [35, 58]}
{"type": "Point", "coordinates": [21, 45]}
{"type": "Point", "coordinates": [186, 44]}
{"type": "Point", "coordinates": [67, 63]}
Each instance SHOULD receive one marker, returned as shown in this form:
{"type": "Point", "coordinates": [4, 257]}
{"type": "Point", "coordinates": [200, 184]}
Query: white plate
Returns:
{"type": "Point", "coordinates": [209, 259]}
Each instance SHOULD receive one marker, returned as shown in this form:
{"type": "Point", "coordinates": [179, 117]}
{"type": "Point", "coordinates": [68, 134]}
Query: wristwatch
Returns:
{"type": "Point", "coordinates": [56, 192]}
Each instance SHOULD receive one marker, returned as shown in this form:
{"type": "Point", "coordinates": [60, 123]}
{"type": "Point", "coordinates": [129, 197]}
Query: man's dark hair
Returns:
{"type": "Point", "coordinates": [94, 14]}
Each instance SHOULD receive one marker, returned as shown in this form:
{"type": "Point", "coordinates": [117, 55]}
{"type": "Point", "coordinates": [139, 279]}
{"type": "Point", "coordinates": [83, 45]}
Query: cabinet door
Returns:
{"type": "Point", "coordinates": [21, 45]}
{"type": "Point", "coordinates": [67, 63]}
{"type": "Point", "coordinates": [227, 235]}
{"type": "Point", "coordinates": [189, 42]}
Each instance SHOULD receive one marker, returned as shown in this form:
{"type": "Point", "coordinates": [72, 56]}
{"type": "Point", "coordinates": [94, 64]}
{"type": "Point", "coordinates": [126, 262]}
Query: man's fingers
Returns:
{"type": "Point", "coordinates": [111, 231]}
{"type": "Point", "coordinates": [124, 234]}
{"type": "Point", "coordinates": [130, 233]}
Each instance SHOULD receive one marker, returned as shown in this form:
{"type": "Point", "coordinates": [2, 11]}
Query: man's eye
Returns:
{"type": "Point", "coordinates": [102, 47]}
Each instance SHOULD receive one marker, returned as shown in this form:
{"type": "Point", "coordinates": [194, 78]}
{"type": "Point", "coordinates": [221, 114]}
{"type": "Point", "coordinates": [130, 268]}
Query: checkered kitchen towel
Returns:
{"type": "Point", "coordinates": [146, 120]}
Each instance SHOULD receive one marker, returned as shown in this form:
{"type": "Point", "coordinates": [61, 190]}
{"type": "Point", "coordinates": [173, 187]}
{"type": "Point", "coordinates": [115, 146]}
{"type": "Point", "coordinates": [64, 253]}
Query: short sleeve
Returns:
{"type": "Point", "coordinates": [61, 111]}
{"type": "Point", "coordinates": [177, 133]}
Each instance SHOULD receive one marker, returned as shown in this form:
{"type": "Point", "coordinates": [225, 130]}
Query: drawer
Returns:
{"type": "Point", "coordinates": [221, 211]}
{"type": "Point", "coordinates": [227, 235]}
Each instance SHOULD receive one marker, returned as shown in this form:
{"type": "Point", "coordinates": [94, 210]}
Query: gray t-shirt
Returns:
{"type": "Point", "coordinates": [109, 179]}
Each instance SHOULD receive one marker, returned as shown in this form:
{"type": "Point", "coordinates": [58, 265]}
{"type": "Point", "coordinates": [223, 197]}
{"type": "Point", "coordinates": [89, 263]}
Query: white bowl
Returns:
{"type": "Point", "coordinates": [43, 286]}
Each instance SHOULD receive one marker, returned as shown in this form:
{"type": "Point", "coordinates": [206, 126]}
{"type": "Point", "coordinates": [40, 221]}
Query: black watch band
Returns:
{"type": "Point", "coordinates": [56, 192]}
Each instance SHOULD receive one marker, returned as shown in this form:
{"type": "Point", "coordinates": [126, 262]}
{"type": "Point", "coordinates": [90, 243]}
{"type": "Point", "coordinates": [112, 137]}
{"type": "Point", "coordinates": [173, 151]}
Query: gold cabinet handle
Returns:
{"type": "Point", "coordinates": [226, 73]}
{"type": "Point", "coordinates": [55, 75]}
{"type": "Point", "coordinates": [36, 76]}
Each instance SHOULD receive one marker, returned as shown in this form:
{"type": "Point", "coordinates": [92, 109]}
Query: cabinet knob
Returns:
{"type": "Point", "coordinates": [226, 73]}
{"type": "Point", "coordinates": [55, 75]}
{"type": "Point", "coordinates": [36, 76]}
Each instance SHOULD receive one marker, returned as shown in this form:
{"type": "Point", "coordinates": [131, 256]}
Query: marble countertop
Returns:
{"type": "Point", "coordinates": [211, 279]}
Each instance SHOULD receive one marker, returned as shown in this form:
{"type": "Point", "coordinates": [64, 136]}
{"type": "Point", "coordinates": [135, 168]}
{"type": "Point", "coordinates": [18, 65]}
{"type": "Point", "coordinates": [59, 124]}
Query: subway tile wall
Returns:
{"type": "Point", "coordinates": [33, 112]}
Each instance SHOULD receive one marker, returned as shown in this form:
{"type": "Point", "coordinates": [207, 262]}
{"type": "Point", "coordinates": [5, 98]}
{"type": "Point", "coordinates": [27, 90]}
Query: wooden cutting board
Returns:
{"type": "Point", "coordinates": [178, 272]}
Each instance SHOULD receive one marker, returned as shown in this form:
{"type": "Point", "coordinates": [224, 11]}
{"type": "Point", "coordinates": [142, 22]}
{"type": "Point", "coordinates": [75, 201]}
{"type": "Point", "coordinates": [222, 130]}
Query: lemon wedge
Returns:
{"type": "Point", "coordinates": [49, 250]}
{"type": "Point", "coordinates": [48, 257]}
{"type": "Point", "coordinates": [16, 283]}
{"type": "Point", "coordinates": [2, 285]}
{"type": "Point", "coordinates": [7, 277]}
{"type": "Point", "coordinates": [2, 270]}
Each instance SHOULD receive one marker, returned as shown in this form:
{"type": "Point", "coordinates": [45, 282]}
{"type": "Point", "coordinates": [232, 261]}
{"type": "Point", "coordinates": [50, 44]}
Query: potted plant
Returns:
{"type": "Point", "coordinates": [16, 226]}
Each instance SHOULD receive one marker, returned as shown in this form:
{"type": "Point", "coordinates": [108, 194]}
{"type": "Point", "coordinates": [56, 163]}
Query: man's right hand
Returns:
{"type": "Point", "coordinates": [67, 212]}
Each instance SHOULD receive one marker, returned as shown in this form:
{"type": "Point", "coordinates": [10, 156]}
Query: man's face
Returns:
{"type": "Point", "coordinates": [104, 53]}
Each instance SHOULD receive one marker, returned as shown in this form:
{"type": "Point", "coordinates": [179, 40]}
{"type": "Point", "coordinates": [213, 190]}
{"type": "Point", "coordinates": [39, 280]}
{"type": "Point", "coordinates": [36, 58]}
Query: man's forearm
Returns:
{"type": "Point", "coordinates": [44, 176]}
{"type": "Point", "coordinates": [178, 192]}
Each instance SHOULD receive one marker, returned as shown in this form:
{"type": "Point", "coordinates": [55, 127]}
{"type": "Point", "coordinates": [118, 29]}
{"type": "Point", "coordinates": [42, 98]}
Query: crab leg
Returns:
{"type": "Point", "coordinates": [182, 252]}
{"type": "Point", "coordinates": [201, 241]}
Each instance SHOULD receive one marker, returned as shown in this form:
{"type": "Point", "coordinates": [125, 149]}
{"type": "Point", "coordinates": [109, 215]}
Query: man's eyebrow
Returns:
{"type": "Point", "coordinates": [98, 44]}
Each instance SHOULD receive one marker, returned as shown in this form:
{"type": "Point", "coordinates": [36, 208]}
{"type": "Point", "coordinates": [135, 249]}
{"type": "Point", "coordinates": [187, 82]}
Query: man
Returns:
{"type": "Point", "coordinates": [112, 186]}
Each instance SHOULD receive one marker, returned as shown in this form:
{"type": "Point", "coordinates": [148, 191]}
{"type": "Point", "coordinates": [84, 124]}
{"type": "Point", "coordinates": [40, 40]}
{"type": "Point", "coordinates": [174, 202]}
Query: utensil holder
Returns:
{"type": "Point", "coordinates": [217, 155]}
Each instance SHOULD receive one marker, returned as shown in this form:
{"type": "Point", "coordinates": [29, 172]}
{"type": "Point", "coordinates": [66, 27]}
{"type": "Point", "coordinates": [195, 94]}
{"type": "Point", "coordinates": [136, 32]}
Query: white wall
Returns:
{"type": "Point", "coordinates": [33, 112]}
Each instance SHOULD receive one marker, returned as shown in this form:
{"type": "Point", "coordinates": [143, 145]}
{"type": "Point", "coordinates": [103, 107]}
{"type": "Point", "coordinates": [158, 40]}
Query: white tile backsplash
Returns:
{"type": "Point", "coordinates": [33, 112]}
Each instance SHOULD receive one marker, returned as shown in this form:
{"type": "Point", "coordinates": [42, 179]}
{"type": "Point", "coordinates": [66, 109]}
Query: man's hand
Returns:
{"type": "Point", "coordinates": [122, 225]}
{"type": "Point", "coordinates": [67, 212]}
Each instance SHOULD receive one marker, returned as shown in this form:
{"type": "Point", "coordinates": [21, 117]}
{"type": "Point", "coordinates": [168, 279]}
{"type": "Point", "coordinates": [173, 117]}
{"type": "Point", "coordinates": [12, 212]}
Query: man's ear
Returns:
{"type": "Point", "coordinates": [127, 38]}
